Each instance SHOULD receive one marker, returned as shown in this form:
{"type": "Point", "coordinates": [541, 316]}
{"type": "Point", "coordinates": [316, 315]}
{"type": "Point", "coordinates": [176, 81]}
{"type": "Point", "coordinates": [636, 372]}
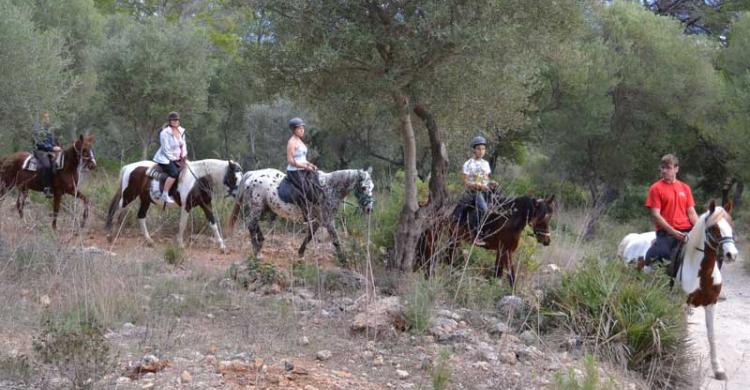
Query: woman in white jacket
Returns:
{"type": "Point", "coordinates": [172, 153]}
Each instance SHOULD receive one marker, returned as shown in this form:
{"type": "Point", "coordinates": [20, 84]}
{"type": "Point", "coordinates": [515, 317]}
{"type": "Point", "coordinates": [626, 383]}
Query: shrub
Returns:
{"type": "Point", "coordinates": [626, 316]}
{"type": "Point", "coordinates": [441, 371]}
{"type": "Point", "coordinates": [420, 306]}
{"type": "Point", "coordinates": [75, 344]}
{"type": "Point", "coordinates": [174, 255]}
{"type": "Point", "coordinates": [590, 380]}
{"type": "Point", "coordinates": [253, 273]}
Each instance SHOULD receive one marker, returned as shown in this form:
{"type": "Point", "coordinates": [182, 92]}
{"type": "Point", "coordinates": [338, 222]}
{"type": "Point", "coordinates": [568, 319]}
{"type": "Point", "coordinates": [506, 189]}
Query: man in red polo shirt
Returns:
{"type": "Point", "coordinates": [672, 209]}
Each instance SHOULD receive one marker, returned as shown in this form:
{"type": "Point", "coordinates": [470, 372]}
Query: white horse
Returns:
{"type": "Point", "coordinates": [260, 191]}
{"type": "Point", "coordinates": [194, 187]}
{"type": "Point", "coordinates": [634, 246]}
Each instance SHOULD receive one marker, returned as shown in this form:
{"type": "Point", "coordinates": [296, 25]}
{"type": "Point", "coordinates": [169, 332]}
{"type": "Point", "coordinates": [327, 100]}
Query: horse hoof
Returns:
{"type": "Point", "coordinates": [223, 250]}
{"type": "Point", "coordinates": [110, 238]}
{"type": "Point", "coordinates": [721, 375]}
{"type": "Point", "coordinates": [150, 243]}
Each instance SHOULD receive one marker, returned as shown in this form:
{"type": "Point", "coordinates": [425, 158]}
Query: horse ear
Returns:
{"type": "Point", "coordinates": [728, 207]}
{"type": "Point", "coordinates": [550, 199]}
{"type": "Point", "coordinates": [711, 206]}
{"type": "Point", "coordinates": [80, 137]}
{"type": "Point", "coordinates": [369, 170]}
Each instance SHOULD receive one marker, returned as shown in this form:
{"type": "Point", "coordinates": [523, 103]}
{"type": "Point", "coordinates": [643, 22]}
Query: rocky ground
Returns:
{"type": "Point", "coordinates": [292, 336]}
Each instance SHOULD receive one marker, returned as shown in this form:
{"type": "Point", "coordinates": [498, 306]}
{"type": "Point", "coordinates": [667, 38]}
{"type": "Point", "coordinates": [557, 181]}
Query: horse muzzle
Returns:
{"type": "Point", "coordinates": [542, 238]}
{"type": "Point", "coordinates": [368, 208]}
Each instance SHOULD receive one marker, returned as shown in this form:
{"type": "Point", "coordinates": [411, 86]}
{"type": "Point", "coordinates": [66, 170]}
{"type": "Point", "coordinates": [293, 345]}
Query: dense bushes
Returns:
{"type": "Point", "coordinates": [626, 316]}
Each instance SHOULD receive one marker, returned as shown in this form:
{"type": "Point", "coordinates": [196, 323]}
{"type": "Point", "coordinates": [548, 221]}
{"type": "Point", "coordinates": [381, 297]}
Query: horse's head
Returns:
{"type": "Point", "coordinates": [233, 177]}
{"type": "Point", "coordinates": [363, 189]}
{"type": "Point", "coordinates": [719, 232]}
{"type": "Point", "coordinates": [84, 149]}
{"type": "Point", "coordinates": [539, 219]}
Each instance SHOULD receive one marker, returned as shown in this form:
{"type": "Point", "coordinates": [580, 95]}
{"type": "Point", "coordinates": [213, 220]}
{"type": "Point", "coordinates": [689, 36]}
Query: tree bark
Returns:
{"type": "Point", "coordinates": [408, 232]}
{"type": "Point", "coordinates": [438, 192]}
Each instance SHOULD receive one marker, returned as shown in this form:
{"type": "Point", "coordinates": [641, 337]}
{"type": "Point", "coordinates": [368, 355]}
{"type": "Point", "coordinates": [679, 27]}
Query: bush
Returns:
{"type": "Point", "coordinates": [253, 274]}
{"type": "Point", "coordinates": [174, 255]}
{"type": "Point", "coordinates": [441, 372]}
{"type": "Point", "coordinates": [420, 306]}
{"type": "Point", "coordinates": [327, 280]}
{"type": "Point", "coordinates": [590, 380]}
{"type": "Point", "coordinates": [75, 344]}
{"type": "Point", "coordinates": [626, 316]}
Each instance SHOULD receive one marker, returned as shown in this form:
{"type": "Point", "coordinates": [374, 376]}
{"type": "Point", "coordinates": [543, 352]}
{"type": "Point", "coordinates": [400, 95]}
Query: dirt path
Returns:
{"type": "Point", "coordinates": [732, 331]}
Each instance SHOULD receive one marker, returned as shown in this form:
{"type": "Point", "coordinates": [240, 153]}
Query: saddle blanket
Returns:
{"type": "Point", "coordinates": [31, 164]}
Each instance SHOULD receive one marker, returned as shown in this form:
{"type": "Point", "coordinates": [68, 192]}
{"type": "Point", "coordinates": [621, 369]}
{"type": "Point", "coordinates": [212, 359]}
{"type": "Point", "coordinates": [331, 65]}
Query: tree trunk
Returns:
{"type": "Point", "coordinates": [438, 192]}
{"type": "Point", "coordinates": [408, 232]}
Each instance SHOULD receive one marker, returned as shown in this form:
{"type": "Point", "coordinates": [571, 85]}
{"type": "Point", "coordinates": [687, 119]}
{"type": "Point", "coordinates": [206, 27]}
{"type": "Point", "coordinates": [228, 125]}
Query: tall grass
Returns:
{"type": "Point", "coordinates": [627, 317]}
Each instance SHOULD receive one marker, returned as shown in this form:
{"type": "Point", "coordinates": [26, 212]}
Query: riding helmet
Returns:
{"type": "Point", "coordinates": [478, 140]}
{"type": "Point", "coordinates": [296, 122]}
{"type": "Point", "coordinates": [173, 115]}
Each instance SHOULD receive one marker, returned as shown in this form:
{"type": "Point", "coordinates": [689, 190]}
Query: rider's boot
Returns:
{"type": "Point", "coordinates": [166, 198]}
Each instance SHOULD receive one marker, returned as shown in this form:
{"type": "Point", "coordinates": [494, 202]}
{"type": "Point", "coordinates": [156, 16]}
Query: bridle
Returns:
{"type": "Point", "coordinates": [362, 198]}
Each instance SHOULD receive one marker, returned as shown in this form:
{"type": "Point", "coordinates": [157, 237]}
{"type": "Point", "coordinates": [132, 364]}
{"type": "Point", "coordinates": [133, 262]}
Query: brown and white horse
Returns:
{"type": "Point", "coordinates": [66, 181]}
{"type": "Point", "coordinates": [699, 273]}
{"type": "Point", "coordinates": [194, 188]}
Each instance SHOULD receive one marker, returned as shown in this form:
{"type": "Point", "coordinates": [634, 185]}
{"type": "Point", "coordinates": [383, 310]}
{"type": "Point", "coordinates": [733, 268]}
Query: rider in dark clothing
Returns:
{"type": "Point", "coordinates": [44, 147]}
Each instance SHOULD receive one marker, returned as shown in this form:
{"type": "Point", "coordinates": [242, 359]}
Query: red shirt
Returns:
{"type": "Point", "coordinates": [673, 200]}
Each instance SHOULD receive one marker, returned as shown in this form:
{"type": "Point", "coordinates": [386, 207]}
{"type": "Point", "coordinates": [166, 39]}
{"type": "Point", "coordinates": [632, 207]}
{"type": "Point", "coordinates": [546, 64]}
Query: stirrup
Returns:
{"type": "Point", "coordinates": [48, 192]}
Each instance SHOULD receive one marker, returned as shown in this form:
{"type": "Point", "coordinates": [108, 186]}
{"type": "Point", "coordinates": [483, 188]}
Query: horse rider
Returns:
{"type": "Point", "coordinates": [477, 172]}
{"type": "Point", "coordinates": [172, 153]}
{"type": "Point", "coordinates": [302, 173]}
{"type": "Point", "coordinates": [45, 149]}
{"type": "Point", "coordinates": [672, 210]}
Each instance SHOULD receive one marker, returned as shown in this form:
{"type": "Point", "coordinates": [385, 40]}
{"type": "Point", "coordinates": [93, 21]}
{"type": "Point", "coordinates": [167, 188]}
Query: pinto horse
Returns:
{"type": "Point", "coordinates": [65, 181]}
{"type": "Point", "coordinates": [260, 191]}
{"type": "Point", "coordinates": [502, 227]}
{"type": "Point", "coordinates": [193, 189]}
{"type": "Point", "coordinates": [699, 272]}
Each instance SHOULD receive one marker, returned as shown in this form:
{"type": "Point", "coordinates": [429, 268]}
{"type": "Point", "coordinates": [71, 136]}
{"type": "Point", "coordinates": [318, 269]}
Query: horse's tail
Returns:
{"type": "Point", "coordinates": [237, 208]}
{"type": "Point", "coordinates": [115, 204]}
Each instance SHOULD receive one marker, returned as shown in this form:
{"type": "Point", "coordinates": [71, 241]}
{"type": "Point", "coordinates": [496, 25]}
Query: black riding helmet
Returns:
{"type": "Point", "coordinates": [295, 122]}
{"type": "Point", "coordinates": [478, 140]}
{"type": "Point", "coordinates": [173, 115]}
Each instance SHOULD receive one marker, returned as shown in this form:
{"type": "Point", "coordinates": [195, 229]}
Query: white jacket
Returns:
{"type": "Point", "coordinates": [170, 149]}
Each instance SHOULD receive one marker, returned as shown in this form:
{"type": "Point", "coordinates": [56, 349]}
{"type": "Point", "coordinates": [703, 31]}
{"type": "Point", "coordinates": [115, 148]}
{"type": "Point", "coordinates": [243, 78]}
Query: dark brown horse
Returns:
{"type": "Point", "coordinates": [502, 227]}
{"type": "Point", "coordinates": [77, 156]}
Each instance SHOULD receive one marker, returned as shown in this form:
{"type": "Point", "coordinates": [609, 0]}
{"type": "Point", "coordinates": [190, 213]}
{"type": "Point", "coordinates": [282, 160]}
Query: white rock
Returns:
{"type": "Point", "coordinates": [323, 355]}
{"type": "Point", "coordinates": [402, 374]}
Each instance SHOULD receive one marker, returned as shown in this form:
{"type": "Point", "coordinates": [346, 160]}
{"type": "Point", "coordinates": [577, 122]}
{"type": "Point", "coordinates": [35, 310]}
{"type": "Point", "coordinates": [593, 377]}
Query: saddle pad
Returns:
{"type": "Point", "coordinates": [286, 190]}
{"type": "Point", "coordinates": [30, 164]}
{"type": "Point", "coordinates": [155, 172]}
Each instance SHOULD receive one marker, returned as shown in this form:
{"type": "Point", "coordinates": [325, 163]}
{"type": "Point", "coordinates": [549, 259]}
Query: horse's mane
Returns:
{"type": "Point", "coordinates": [694, 249]}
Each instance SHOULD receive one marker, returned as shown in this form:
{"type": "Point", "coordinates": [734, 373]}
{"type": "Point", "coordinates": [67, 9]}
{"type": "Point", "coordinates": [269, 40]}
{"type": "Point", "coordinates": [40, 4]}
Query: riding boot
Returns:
{"type": "Point", "coordinates": [47, 182]}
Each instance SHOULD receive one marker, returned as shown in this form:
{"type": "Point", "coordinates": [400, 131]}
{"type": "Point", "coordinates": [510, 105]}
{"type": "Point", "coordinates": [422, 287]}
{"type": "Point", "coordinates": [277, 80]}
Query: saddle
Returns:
{"type": "Point", "coordinates": [31, 164]}
{"type": "Point", "coordinates": [287, 191]}
{"type": "Point", "coordinates": [158, 176]}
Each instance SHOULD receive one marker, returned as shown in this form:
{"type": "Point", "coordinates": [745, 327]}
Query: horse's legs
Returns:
{"type": "Point", "coordinates": [55, 208]}
{"type": "Point", "coordinates": [256, 237]}
{"type": "Point", "coordinates": [142, 210]}
{"type": "Point", "coordinates": [214, 226]}
{"type": "Point", "coordinates": [21, 201]}
{"type": "Point", "coordinates": [336, 243]}
{"type": "Point", "coordinates": [310, 233]}
{"type": "Point", "coordinates": [183, 224]}
{"type": "Point", "coordinates": [85, 201]}
{"type": "Point", "coordinates": [718, 370]}
{"type": "Point", "coordinates": [503, 260]}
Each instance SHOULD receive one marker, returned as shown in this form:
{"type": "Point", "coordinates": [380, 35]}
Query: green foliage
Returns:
{"type": "Point", "coordinates": [174, 255]}
{"type": "Point", "coordinates": [441, 371]}
{"type": "Point", "coordinates": [149, 69]}
{"type": "Point", "coordinates": [327, 280]}
{"type": "Point", "coordinates": [420, 306]}
{"type": "Point", "coordinates": [33, 78]}
{"type": "Point", "coordinates": [76, 346]}
{"type": "Point", "coordinates": [590, 380]}
{"type": "Point", "coordinates": [253, 273]}
{"type": "Point", "coordinates": [624, 315]}
{"type": "Point", "coordinates": [385, 217]}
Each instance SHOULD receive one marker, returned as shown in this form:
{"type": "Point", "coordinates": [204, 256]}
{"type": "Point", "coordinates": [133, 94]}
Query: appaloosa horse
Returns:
{"type": "Point", "coordinates": [501, 226]}
{"type": "Point", "coordinates": [193, 189]}
{"type": "Point", "coordinates": [66, 180]}
{"type": "Point", "coordinates": [260, 191]}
